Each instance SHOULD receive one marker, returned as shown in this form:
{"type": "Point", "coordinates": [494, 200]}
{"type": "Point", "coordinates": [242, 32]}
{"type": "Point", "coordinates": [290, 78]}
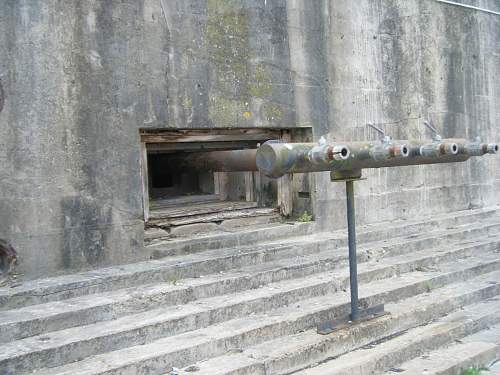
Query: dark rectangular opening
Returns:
{"type": "Point", "coordinates": [176, 197]}
{"type": "Point", "coordinates": [165, 183]}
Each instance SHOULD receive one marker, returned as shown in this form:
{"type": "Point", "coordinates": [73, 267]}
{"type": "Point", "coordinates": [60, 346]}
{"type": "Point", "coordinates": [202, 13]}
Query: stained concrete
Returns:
{"type": "Point", "coordinates": [408, 236]}
{"type": "Point", "coordinates": [79, 79]}
{"type": "Point", "coordinates": [255, 308]}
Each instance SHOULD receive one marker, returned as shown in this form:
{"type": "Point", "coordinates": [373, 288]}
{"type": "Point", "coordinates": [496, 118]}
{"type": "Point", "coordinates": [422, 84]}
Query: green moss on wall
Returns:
{"type": "Point", "coordinates": [187, 102]}
{"type": "Point", "coordinates": [273, 112]}
{"type": "Point", "coordinates": [227, 112]}
{"type": "Point", "coordinates": [235, 80]}
{"type": "Point", "coordinates": [261, 84]}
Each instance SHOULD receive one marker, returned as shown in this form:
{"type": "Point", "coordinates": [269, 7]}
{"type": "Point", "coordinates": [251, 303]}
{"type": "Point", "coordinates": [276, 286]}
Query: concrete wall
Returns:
{"type": "Point", "coordinates": [80, 78]}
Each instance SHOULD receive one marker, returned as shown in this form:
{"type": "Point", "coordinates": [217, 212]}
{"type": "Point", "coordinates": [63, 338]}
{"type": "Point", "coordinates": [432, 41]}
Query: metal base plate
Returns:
{"type": "Point", "coordinates": [345, 322]}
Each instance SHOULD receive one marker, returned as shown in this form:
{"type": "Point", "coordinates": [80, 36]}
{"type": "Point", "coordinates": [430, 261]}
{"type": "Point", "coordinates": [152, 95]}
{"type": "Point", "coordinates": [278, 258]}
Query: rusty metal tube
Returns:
{"type": "Point", "coordinates": [323, 154]}
{"type": "Point", "coordinates": [220, 161]}
{"type": "Point", "coordinates": [277, 159]}
{"type": "Point", "coordinates": [479, 149]}
{"type": "Point", "coordinates": [449, 148]}
{"type": "Point", "coordinates": [388, 151]}
{"type": "Point", "coordinates": [431, 150]}
{"type": "Point", "coordinates": [491, 148]}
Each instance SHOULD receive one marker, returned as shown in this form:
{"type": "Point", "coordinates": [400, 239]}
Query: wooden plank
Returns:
{"type": "Point", "coordinates": [302, 193]}
{"type": "Point", "coordinates": [216, 184]}
{"type": "Point", "coordinates": [285, 199]}
{"type": "Point", "coordinates": [227, 225]}
{"type": "Point", "coordinates": [199, 146]}
{"type": "Point", "coordinates": [210, 135]}
{"type": "Point", "coordinates": [258, 195]}
{"type": "Point", "coordinates": [145, 181]}
{"type": "Point", "coordinates": [285, 196]}
{"type": "Point", "coordinates": [198, 209]}
{"type": "Point", "coordinates": [221, 182]}
{"type": "Point", "coordinates": [249, 189]}
{"type": "Point", "coordinates": [182, 200]}
{"type": "Point", "coordinates": [213, 217]}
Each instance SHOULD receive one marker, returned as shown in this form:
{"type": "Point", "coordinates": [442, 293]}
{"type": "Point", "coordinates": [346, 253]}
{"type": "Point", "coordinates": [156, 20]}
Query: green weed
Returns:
{"type": "Point", "coordinates": [475, 371]}
{"type": "Point", "coordinates": [305, 217]}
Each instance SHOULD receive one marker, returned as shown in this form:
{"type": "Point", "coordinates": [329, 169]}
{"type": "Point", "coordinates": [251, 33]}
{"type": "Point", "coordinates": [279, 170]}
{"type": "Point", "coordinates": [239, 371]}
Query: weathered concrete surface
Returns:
{"type": "Point", "coordinates": [254, 329]}
{"type": "Point", "coordinates": [477, 351]}
{"type": "Point", "coordinates": [407, 236]}
{"type": "Point", "coordinates": [251, 310]}
{"type": "Point", "coordinates": [31, 321]}
{"type": "Point", "coordinates": [78, 79]}
{"type": "Point", "coordinates": [374, 358]}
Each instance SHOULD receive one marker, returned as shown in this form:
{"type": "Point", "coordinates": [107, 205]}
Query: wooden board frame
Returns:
{"type": "Point", "coordinates": [209, 135]}
{"type": "Point", "coordinates": [145, 180]}
{"type": "Point", "coordinates": [220, 138]}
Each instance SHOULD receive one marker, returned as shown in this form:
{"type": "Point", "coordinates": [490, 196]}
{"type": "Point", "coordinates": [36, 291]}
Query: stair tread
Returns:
{"type": "Point", "coordinates": [191, 209]}
{"type": "Point", "coordinates": [262, 354]}
{"type": "Point", "coordinates": [119, 296]}
{"type": "Point", "coordinates": [240, 213]}
{"type": "Point", "coordinates": [222, 233]}
{"type": "Point", "coordinates": [364, 359]}
{"type": "Point", "coordinates": [479, 348]}
{"type": "Point", "coordinates": [102, 277]}
{"type": "Point", "coordinates": [281, 317]}
{"type": "Point", "coordinates": [241, 318]}
{"type": "Point", "coordinates": [394, 223]}
{"type": "Point", "coordinates": [154, 315]}
{"type": "Point", "coordinates": [490, 335]}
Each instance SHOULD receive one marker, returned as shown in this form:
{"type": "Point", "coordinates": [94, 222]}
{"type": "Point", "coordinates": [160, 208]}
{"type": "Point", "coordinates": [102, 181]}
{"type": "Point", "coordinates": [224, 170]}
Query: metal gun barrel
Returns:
{"type": "Point", "coordinates": [220, 161]}
{"type": "Point", "coordinates": [277, 159]}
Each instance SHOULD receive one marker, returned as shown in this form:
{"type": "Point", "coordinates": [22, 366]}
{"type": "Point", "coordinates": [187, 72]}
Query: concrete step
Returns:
{"type": "Point", "coordinates": [32, 320]}
{"type": "Point", "coordinates": [214, 261]}
{"type": "Point", "coordinates": [371, 232]}
{"type": "Point", "coordinates": [189, 209]}
{"type": "Point", "coordinates": [250, 329]}
{"type": "Point", "coordinates": [51, 316]}
{"type": "Point", "coordinates": [258, 218]}
{"type": "Point", "coordinates": [191, 221]}
{"type": "Point", "coordinates": [478, 350]}
{"type": "Point", "coordinates": [471, 306]}
{"type": "Point", "coordinates": [232, 237]}
{"type": "Point", "coordinates": [380, 356]}
{"type": "Point", "coordinates": [111, 278]}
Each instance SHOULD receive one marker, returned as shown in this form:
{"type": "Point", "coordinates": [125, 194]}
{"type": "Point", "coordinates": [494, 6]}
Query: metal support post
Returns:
{"type": "Point", "coordinates": [353, 263]}
{"type": "Point", "coordinates": [356, 314]}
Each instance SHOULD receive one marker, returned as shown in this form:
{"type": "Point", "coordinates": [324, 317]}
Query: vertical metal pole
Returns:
{"type": "Point", "coordinates": [353, 265]}
{"type": "Point", "coordinates": [356, 315]}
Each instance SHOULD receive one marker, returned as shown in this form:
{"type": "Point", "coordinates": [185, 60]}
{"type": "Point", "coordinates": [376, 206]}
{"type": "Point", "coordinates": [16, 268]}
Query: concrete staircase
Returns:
{"type": "Point", "coordinates": [248, 302]}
